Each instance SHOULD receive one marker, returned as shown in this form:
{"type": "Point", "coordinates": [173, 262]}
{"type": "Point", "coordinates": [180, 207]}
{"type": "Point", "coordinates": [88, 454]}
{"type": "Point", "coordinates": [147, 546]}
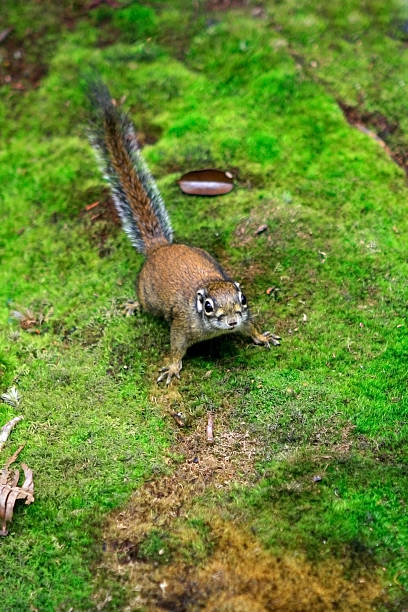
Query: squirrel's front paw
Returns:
{"type": "Point", "coordinates": [267, 338]}
{"type": "Point", "coordinates": [167, 372]}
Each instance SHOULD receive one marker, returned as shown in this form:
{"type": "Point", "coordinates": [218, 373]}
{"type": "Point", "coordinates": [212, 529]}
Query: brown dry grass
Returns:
{"type": "Point", "coordinates": [242, 577]}
{"type": "Point", "coordinates": [235, 574]}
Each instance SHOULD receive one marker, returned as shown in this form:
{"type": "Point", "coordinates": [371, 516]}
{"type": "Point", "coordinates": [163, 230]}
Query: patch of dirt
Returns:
{"type": "Point", "coordinates": [103, 220]}
{"type": "Point", "coordinates": [266, 222]}
{"type": "Point", "coordinates": [248, 229]}
{"type": "Point", "coordinates": [15, 69]}
{"type": "Point", "coordinates": [234, 573]}
{"type": "Point", "coordinates": [240, 576]}
{"type": "Point", "coordinates": [24, 59]}
{"type": "Point", "coordinates": [149, 135]}
{"type": "Point", "coordinates": [378, 127]}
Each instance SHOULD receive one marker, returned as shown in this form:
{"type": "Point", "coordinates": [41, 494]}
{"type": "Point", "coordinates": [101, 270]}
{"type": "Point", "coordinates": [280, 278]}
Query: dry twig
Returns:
{"type": "Point", "coordinates": [210, 433]}
{"type": "Point", "coordinates": [6, 429]}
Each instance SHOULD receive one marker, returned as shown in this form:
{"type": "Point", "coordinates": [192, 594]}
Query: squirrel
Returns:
{"type": "Point", "coordinates": [183, 284]}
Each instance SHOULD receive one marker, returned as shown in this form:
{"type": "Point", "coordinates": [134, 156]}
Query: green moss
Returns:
{"type": "Point", "coordinates": [189, 125]}
{"type": "Point", "coordinates": [155, 547]}
{"type": "Point", "coordinates": [136, 21]}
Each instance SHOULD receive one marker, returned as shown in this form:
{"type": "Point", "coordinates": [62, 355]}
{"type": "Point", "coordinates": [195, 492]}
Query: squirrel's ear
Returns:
{"type": "Point", "coordinates": [200, 299]}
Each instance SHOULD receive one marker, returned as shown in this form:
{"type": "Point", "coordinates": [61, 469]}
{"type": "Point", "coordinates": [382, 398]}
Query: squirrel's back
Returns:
{"type": "Point", "coordinates": [135, 193]}
{"type": "Point", "coordinates": [171, 276]}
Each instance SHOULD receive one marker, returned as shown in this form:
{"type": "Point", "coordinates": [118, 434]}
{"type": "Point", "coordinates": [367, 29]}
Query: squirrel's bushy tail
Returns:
{"type": "Point", "coordinates": [135, 193]}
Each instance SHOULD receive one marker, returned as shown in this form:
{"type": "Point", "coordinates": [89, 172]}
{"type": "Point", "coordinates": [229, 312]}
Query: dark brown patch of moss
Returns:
{"type": "Point", "coordinates": [101, 220]}
{"type": "Point", "coordinates": [239, 575]}
{"type": "Point", "coordinates": [16, 70]}
{"type": "Point", "coordinates": [378, 127]}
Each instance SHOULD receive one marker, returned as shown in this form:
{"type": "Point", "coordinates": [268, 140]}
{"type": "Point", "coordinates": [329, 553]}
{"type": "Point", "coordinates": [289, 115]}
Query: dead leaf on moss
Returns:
{"type": "Point", "coordinates": [96, 3]}
{"type": "Point", "coordinates": [29, 321]}
{"type": "Point", "coordinates": [11, 397]}
{"type": "Point", "coordinates": [10, 492]}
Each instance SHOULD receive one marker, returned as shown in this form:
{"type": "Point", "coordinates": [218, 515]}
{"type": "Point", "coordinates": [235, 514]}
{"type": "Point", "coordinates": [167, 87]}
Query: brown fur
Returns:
{"type": "Point", "coordinates": [171, 276]}
{"type": "Point", "coordinates": [168, 285]}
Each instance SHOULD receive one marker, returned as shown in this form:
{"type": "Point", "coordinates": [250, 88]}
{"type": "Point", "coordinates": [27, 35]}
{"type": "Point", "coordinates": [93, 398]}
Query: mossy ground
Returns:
{"type": "Point", "coordinates": [253, 89]}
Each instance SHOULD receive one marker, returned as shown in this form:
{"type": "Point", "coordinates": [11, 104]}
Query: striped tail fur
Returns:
{"type": "Point", "coordinates": [134, 191]}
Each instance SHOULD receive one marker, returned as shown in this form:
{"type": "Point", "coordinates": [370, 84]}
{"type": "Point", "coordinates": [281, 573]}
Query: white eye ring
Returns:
{"type": "Point", "coordinates": [237, 285]}
{"type": "Point", "coordinates": [200, 300]}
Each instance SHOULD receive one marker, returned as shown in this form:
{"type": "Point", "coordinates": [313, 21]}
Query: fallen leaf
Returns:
{"type": "Point", "coordinates": [207, 182]}
{"type": "Point", "coordinates": [11, 397]}
{"type": "Point", "coordinates": [29, 321]}
{"type": "Point", "coordinates": [10, 493]}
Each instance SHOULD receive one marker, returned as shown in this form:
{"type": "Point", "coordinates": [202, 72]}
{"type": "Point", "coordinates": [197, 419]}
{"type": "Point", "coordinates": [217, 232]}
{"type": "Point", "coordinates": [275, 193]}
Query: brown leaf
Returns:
{"type": "Point", "coordinates": [130, 307]}
{"type": "Point", "coordinates": [209, 182]}
{"type": "Point", "coordinates": [10, 493]}
{"type": "Point", "coordinates": [29, 321]}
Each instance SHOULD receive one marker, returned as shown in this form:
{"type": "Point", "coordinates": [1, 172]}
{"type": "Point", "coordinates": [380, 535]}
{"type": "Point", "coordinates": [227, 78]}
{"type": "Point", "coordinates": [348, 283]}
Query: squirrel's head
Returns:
{"type": "Point", "coordinates": [222, 306]}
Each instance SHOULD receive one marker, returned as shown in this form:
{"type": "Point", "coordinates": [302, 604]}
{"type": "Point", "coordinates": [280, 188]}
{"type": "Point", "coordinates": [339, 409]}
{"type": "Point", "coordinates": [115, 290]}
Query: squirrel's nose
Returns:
{"type": "Point", "coordinates": [233, 323]}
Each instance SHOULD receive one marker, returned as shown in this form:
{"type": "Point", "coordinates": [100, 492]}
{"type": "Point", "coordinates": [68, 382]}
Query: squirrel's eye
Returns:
{"type": "Point", "coordinates": [243, 299]}
{"type": "Point", "coordinates": [208, 306]}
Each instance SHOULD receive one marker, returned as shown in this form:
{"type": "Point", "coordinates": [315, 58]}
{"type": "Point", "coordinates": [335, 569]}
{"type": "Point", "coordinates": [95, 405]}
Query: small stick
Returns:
{"type": "Point", "coordinates": [91, 206]}
{"type": "Point", "coordinates": [6, 429]}
{"type": "Point", "coordinates": [210, 433]}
